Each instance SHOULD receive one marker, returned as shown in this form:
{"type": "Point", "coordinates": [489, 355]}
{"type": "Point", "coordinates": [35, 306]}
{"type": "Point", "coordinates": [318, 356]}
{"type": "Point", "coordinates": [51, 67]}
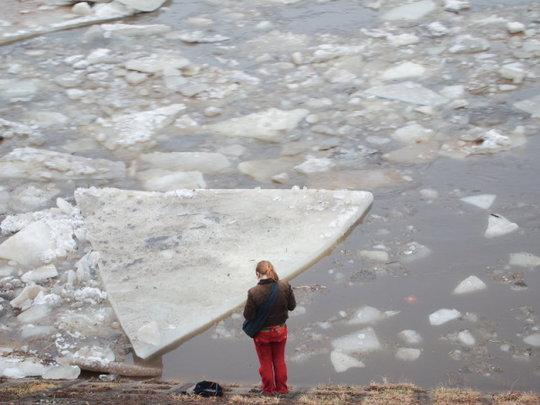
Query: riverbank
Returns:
{"type": "Point", "coordinates": [82, 391]}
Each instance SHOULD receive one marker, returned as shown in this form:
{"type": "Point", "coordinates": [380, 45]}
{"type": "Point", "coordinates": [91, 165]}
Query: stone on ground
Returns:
{"type": "Point", "coordinates": [184, 259]}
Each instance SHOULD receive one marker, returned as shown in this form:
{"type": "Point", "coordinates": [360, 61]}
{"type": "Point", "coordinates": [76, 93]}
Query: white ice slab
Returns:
{"type": "Point", "coordinates": [342, 362]}
{"type": "Point", "coordinates": [174, 263]}
{"type": "Point", "coordinates": [483, 201]}
{"type": "Point", "coordinates": [524, 259]}
{"type": "Point", "coordinates": [499, 226]}
{"type": "Point", "coordinates": [408, 92]}
{"type": "Point", "coordinates": [411, 11]}
{"type": "Point", "coordinates": [469, 285]}
{"type": "Point", "coordinates": [363, 341]}
{"type": "Point", "coordinates": [443, 315]}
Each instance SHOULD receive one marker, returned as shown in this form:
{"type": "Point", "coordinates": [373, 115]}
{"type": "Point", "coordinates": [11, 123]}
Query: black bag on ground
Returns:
{"type": "Point", "coordinates": [208, 389]}
{"type": "Point", "coordinates": [253, 326]}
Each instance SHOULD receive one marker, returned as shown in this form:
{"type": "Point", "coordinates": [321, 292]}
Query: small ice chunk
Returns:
{"type": "Point", "coordinates": [514, 72]}
{"type": "Point", "coordinates": [412, 133]}
{"type": "Point", "coordinates": [95, 354]}
{"type": "Point", "coordinates": [530, 105]}
{"type": "Point", "coordinates": [314, 165]}
{"type": "Point", "coordinates": [166, 180]}
{"type": "Point", "coordinates": [362, 341]}
{"type": "Point", "coordinates": [483, 201]}
{"type": "Point", "coordinates": [533, 340]}
{"type": "Point", "coordinates": [411, 11]}
{"type": "Point", "coordinates": [35, 331]}
{"type": "Point", "coordinates": [515, 27]}
{"type": "Point", "coordinates": [408, 92]}
{"type": "Point", "coordinates": [470, 284]}
{"type": "Point", "coordinates": [40, 274]}
{"type": "Point", "coordinates": [342, 362]}
{"type": "Point", "coordinates": [34, 314]}
{"type": "Point", "coordinates": [466, 338]}
{"type": "Point", "coordinates": [414, 251]}
{"type": "Point", "coordinates": [456, 5]}
{"type": "Point", "coordinates": [26, 296]}
{"type": "Point", "coordinates": [405, 70]}
{"type": "Point", "coordinates": [443, 315]}
{"type": "Point", "coordinates": [437, 29]}
{"type": "Point", "coordinates": [411, 337]}
{"type": "Point", "coordinates": [374, 255]}
{"type": "Point", "coordinates": [498, 226]}
{"type": "Point", "coordinates": [468, 44]}
{"type": "Point", "coordinates": [61, 372]}
{"type": "Point", "coordinates": [366, 315]}
{"type": "Point", "coordinates": [402, 39]}
{"type": "Point", "coordinates": [524, 259]}
{"type": "Point", "coordinates": [407, 353]}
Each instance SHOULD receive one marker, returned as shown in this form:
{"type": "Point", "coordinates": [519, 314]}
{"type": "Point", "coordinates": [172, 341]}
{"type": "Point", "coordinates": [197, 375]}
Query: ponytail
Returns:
{"type": "Point", "coordinates": [266, 268]}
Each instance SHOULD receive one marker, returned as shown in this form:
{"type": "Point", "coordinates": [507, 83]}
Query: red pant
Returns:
{"type": "Point", "coordinates": [270, 346]}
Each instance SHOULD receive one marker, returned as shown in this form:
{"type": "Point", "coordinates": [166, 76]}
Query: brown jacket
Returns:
{"type": "Point", "coordinates": [285, 302]}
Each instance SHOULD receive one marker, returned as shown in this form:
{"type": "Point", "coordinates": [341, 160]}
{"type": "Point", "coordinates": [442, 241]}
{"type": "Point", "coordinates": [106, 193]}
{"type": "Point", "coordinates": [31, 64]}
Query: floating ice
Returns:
{"type": "Point", "coordinates": [40, 274]}
{"type": "Point", "coordinates": [470, 284]}
{"type": "Point", "coordinates": [411, 11]}
{"type": "Point", "coordinates": [499, 226]}
{"type": "Point", "coordinates": [483, 201]}
{"type": "Point", "coordinates": [405, 70]}
{"type": "Point", "coordinates": [314, 165]}
{"type": "Point", "coordinates": [363, 341]}
{"type": "Point", "coordinates": [468, 44]}
{"type": "Point", "coordinates": [135, 128]}
{"type": "Point", "coordinates": [533, 340]}
{"type": "Point", "coordinates": [34, 313]}
{"type": "Point", "coordinates": [131, 30]}
{"type": "Point", "coordinates": [375, 255]}
{"type": "Point", "coordinates": [35, 331]}
{"type": "Point", "coordinates": [442, 316]}
{"type": "Point", "coordinates": [466, 338]}
{"type": "Point", "coordinates": [456, 5]}
{"type": "Point", "coordinates": [264, 170]}
{"type": "Point", "coordinates": [408, 353]}
{"type": "Point", "coordinates": [411, 337]}
{"type": "Point", "coordinates": [429, 193]}
{"type": "Point", "coordinates": [342, 362]}
{"type": "Point", "coordinates": [408, 92]}
{"type": "Point", "coordinates": [530, 105]}
{"type": "Point", "coordinates": [513, 71]}
{"type": "Point", "coordinates": [524, 259]}
{"type": "Point", "coordinates": [366, 315]}
{"type": "Point", "coordinates": [412, 133]}
{"type": "Point", "coordinates": [62, 372]}
{"type": "Point", "coordinates": [41, 164]}
{"type": "Point", "coordinates": [130, 229]}
{"type": "Point", "coordinates": [414, 251]}
{"type": "Point", "coordinates": [26, 296]}
{"type": "Point", "coordinates": [271, 125]}
{"type": "Point", "coordinates": [201, 37]}
{"type": "Point", "coordinates": [414, 154]}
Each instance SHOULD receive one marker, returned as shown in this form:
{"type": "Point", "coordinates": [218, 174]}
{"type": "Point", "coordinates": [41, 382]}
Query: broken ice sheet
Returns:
{"type": "Point", "coordinates": [130, 229]}
{"type": "Point", "coordinates": [414, 251]}
{"type": "Point", "coordinates": [484, 201]}
{"type": "Point", "coordinates": [469, 285]}
{"type": "Point", "coordinates": [370, 315]}
{"type": "Point", "coordinates": [362, 341]}
{"type": "Point", "coordinates": [499, 226]}
{"type": "Point", "coordinates": [524, 259]}
{"type": "Point", "coordinates": [442, 316]}
{"type": "Point", "coordinates": [343, 362]}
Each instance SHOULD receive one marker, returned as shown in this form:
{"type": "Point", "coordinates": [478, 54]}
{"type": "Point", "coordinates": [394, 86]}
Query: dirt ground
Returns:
{"type": "Point", "coordinates": [123, 391]}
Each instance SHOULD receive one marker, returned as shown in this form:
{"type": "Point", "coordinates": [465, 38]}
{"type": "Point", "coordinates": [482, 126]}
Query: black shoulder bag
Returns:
{"type": "Point", "coordinates": [253, 326]}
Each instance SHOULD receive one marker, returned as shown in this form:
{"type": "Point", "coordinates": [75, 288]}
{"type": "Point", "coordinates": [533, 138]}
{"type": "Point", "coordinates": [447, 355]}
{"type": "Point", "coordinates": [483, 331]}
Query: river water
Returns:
{"type": "Point", "coordinates": [417, 198]}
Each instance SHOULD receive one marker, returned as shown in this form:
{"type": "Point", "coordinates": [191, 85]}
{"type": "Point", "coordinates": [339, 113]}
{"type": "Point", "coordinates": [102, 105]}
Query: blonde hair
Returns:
{"type": "Point", "coordinates": [265, 268]}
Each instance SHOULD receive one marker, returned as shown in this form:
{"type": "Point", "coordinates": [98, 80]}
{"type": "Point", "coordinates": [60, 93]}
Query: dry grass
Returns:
{"type": "Point", "coordinates": [516, 398]}
{"type": "Point", "coordinates": [25, 389]}
{"type": "Point", "coordinates": [447, 396]}
{"type": "Point", "coordinates": [258, 400]}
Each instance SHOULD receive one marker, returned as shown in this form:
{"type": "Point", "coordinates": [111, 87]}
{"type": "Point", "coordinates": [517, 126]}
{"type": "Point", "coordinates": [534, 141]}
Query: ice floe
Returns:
{"type": "Point", "coordinates": [466, 338]}
{"type": "Point", "coordinates": [41, 164]}
{"type": "Point", "coordinates": [411, 11]}
{"type": "Point", "coordinates": [343, 362]}
{"type": "Point", "coordinates": [410, 337]}
{"type": "Point", "coordinates": [272, 125]}
{"type": "Point", "coordinates": [408, 92]}
{"type": "Point", "coordinates": [362, 341]}
{"type": "Point", "coordinates": [367, 315]}
{"type": "Point", "coordinates": [443, 316]}
{"type": "Point", "coordinates": [499, 226]}
{"type": "Point", "coordinates": [469, 285]}
{"type": "Point", "coordinates": [374, 255]}
{"type": "Point", "coordinates": [524, 259]}
{"type": "Point", "coordinates": [147, 224]}
{"type": "Point", "coordinates": [533, 340]}
{"type": "Point", "coordinates": [408, 353]}
{"type": "Point", "coordinates": [484, 201]}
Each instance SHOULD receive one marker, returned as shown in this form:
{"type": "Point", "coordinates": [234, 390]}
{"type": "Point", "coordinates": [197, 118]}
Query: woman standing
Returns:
{"type": "Point", "coordinates": [270, 341]}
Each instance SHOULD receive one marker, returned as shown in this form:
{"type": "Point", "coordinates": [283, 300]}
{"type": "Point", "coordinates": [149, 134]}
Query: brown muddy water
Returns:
{"type": "Point", "coordinates": [263, 36]}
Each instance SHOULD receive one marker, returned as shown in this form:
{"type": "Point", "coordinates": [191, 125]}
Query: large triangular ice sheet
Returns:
{"type": "Point", "coordinates": [174, 263]}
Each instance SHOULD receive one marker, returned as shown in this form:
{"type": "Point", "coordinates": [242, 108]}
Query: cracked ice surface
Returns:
{"type": "Point", "coordinates": [174, 263]}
